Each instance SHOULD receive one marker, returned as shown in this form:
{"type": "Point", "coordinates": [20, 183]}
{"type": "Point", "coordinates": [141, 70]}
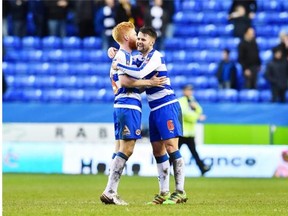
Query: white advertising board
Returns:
{"type": "Point", "coordinates": [67, 132]}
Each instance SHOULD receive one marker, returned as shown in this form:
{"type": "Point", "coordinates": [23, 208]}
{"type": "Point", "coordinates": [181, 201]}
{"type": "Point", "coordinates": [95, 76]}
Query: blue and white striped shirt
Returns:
{"type": "Point", "coordinates": [153, 63]}
{"type": "Point", "coordinates": [124, 97]}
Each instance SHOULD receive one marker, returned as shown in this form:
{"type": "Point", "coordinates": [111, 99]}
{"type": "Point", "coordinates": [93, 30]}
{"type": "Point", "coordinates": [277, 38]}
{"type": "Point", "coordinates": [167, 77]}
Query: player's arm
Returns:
{"type": "Point", "coordinates": [145, 69]}
{"type": "Point", "coordinates": [130, 82]}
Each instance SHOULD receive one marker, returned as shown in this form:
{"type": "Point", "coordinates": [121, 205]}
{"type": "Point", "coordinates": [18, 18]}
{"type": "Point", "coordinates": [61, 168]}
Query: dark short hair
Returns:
{"type": "Point", "coordinates": [149, 30]}
{"type": "Point", "coordinates": [187, 86]}
{"type": "Point", "coordinates": [227, 50]}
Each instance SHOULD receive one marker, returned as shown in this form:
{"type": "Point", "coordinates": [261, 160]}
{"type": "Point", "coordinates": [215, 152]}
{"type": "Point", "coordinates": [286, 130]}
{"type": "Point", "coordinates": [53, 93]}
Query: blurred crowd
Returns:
{"type": "Point", "coordinates": [86, 18]}
{"type": "Point", "coordinates": [241, 14]}
{"type": "Point", "coordinates": [83, 18]}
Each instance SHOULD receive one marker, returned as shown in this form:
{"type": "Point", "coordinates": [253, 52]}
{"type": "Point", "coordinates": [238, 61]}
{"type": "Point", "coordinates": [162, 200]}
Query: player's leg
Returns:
{"type": "Point", "coordinates": [190, 141]}
{"type": "Point", "coordinates": [170, 128]}
{"type": "Point", "coordinates": [162, 160]}
{"type": "Point", "coordinates": [128, 130]}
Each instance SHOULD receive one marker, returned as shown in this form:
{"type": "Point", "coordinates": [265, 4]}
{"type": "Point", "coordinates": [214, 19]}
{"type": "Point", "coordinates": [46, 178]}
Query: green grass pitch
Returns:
{"type": "Point", "coordinates": [37, 194]}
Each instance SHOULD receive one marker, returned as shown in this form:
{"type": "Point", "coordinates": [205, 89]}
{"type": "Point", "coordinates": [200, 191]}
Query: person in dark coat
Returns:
{"type": "Point", "coordinates": [248, 57]}
{"type": "Point", "coordinates": [19, 12]}
{"type": "Point", "coordinates": [57, 11]}
{"type": "Point", "coordinates": [277, 74]}
{"type": "Point", "coordinates": [227, 72]}
{"type": "Point", "coordinates": [84, 17]}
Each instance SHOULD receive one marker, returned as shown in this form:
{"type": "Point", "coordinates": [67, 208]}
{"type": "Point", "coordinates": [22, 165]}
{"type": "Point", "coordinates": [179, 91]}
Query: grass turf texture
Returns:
{"type": "Point", "coordinates": [36, 194]}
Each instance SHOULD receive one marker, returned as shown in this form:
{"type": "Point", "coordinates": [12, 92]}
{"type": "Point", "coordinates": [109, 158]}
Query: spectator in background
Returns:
{"type": "Point", "coordinates": [5, 13]}
{"type": "Point", "coordinates": [277, 74]}
{"type": "Point", "coordinates": [250, 7]}
{"type": "Point", "coordinates": [283, 46]}
{"type": "Point", "coordinates": [191, 113]}
{"type": "Point", "coordinates": [125, 11]}
{"type": "Point", "coordinates": [240, 20]}
{"type": "Point", "coordinates": [248, 57]}
{"type": "Point", "coordinates": [56, 14]}
{"type": "Point", "coordinates": [84, 17]}
{"type": "Point", "coordinates": [39, 17]}
{"type": "Point", "coordinates": [227, 72]}
{"type": "Point", "coordinates": [157, 17]}
{"type": "Point", "coordinates": [19, 12]}
{"type": "Point", "coordinates": [104, 23]}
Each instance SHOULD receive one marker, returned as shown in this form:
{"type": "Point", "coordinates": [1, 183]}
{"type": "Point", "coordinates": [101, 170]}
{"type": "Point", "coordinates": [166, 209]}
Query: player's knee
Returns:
{"type": "Point", "coordinates": [171, 148]}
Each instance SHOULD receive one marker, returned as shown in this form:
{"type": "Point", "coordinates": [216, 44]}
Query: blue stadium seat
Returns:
{"type": "Point", "coordinates": [89, 82]}
{"type": "Point", "coordinates": [13, 95]}
{"type": "Point", "coordinates": [73, 55]}
{"type": "Point", "coordinates": [225, 5]}
{"type": "Point", "coordinates": [230, 43]}
{"type": "Point", "coordinates": [21, 81]}
{"type": "Point", "coordinates": [249, 95]}
{"type": "Point", "coordinates": [60, 68]}
{"type": "Point", "coordinates": [32, 55]}
{"type": "Point", "coordinates": [211, 5]}
{"type": "Point", "coordinates": [21, 68]}
{"type": "Point", "coordinates": [266, 55]}
{"type": "Point", "coordinates": [30, 42]}
{"type": "Point", "coordinates": [45, 81]}
{"type": "Point", "coordinates": [213, 83]}
{"type": "Point", "coordinates": [55, 95]}
{"type": "Point", "coordinates": [71, 42]}
{"type": "Point", "coordinates": [65, 81]}
{"type": "Point", "coordinates": [200, 82]}
{"type": "Point", "coordinates": [178, 82]}
{"type": "Point", "coordinates": [272, 5]}
{"type": "Point", "coordinates": [227, 95]}
{"type": "Point", "coordinates": [99, 68]}
{"type": "Point", "coordinates": [262, 83]}
{"type": "Point", "coordinates": [95, 56]}
{"type": "Point", "coordinates": [51, 42]}
{"type": "Point", "coordinates": [76, 95]}
{"type": "Point", "coordinates": [92, 43]}
{"type": "Point", "coordinates": [8, 68]}
{"type": "Point", "coordinates": [265, 96]}
{"type": "Point", "coordinates": [206, 95]}
{"type": "Point", "coordinates": [209, 30]}
{"type": "Point", "coordinates": [54, 55]}
{"type": "Point", "coordinates": [12, 42]}
{"type": "Point", "coordinates": [79, 68]}
{"type": "Point", "coordinates": [185, 30]}
{"type": "Point", "coordinates": [173, 44]}
{"type": "Point", "coordinates": [32, 95]}
{"type": "Point", "coordinates": [12, 55]}
{"type": "Point", "coordinates": [191, 6]}
{"type": "Point", "coordinates": [39, 68]}
{"type": "Point", "coordinates": [189, 43]}
{"type": "Point", "coordinates": [98, 95]}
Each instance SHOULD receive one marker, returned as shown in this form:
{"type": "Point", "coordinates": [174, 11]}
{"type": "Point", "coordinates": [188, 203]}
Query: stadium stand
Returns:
{"type": "Point", "coordinates": [71, 69]}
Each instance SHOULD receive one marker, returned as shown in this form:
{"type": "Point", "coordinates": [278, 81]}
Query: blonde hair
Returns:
{"type": "Point", "coordinates": [120, 30]}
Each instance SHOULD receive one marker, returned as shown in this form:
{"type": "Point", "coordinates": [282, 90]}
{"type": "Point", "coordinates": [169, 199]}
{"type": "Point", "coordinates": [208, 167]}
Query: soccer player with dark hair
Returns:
{"type": "Point", "coordinates": [165, 120]}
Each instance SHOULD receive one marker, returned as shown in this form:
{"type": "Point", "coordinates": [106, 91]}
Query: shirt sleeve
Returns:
{"type": "Point", "coordinates": [148, 66]}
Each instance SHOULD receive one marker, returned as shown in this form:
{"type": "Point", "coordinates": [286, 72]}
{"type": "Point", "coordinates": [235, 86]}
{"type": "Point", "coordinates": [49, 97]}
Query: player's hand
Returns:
{"type": "Point", "coordinates": [112, 52]}
{"type": "Point", "coordinates": [114, 64]}
{"type": "Point", "coordinates": [158, 81]}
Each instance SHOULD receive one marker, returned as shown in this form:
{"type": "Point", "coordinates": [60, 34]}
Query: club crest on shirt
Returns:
{"type": "Point", "coordinates": [125, 131]}
{"type": "Point", "coordinates": [170, 125]}
{"type": "Point", "coordinates": [138, 132]}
